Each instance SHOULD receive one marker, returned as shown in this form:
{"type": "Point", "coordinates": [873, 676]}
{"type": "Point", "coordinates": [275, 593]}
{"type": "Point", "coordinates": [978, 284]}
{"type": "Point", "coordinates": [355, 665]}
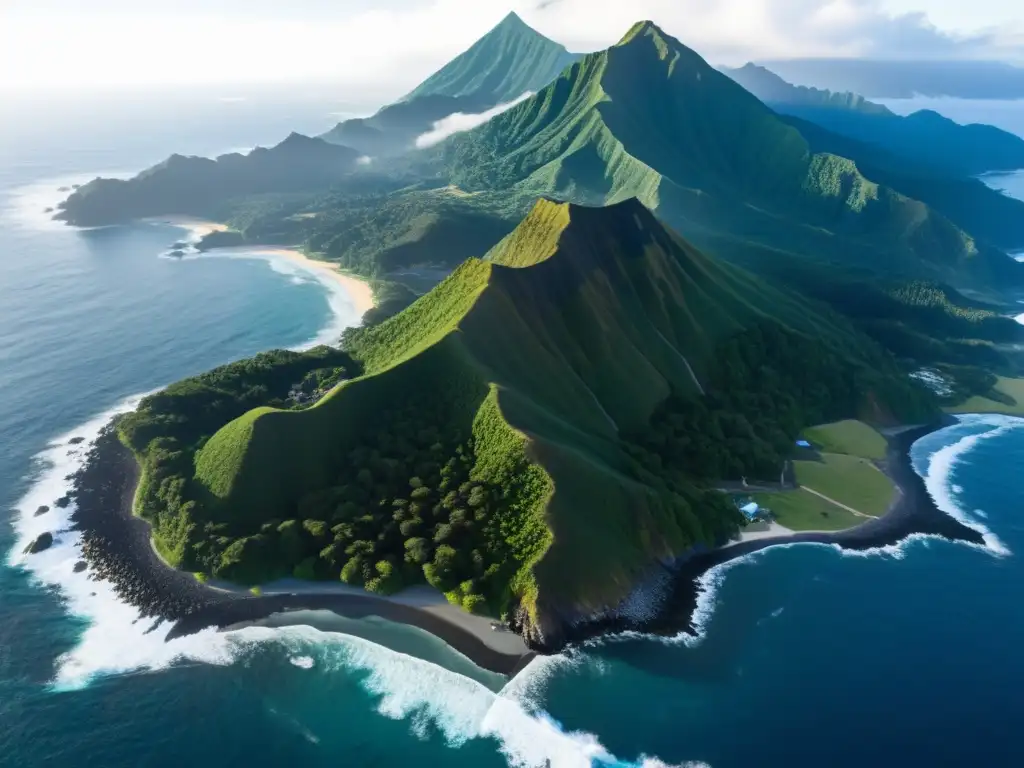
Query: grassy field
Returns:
{"type": "Point", "coordinates": [802, 511]}
{"type": "Point", "coordinates": [1013, 388]}
{"type": "Point", "coordinates": [854, 438]}
{"type": "Point", "coordinates": [848, 480]}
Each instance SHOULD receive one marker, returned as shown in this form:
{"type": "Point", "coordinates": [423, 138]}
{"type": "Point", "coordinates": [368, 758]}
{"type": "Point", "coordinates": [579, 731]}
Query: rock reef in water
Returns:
{"type": "Point", "coordinates": [41, 543]}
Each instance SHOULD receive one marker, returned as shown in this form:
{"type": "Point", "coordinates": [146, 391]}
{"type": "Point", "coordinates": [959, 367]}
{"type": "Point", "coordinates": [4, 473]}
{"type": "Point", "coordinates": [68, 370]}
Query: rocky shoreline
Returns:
{"type": "Point", "coordinates": [913, 511]}
{"type": "Point", "coordinates": [116, 545]}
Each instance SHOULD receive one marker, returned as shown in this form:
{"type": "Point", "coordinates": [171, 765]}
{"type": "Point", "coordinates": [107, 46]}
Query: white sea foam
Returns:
{"type": "Point", "coordinates": [343, 311]}
{"type": "Point", "coordinates": [428, 697]}
{"type": "Point", "coordinates": [26, 206]}
{"type": "Point", "coordinates": [942, 464]}
{"type": "Point", "coordinates": [940, 486]}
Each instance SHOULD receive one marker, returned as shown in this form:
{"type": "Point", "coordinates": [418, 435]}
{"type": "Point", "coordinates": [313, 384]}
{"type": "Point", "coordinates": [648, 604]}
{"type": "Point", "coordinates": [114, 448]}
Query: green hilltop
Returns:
{"type": "Point", "coordinates": [533, 434]}
{"type": "Point", "coordinates": [650, 118]}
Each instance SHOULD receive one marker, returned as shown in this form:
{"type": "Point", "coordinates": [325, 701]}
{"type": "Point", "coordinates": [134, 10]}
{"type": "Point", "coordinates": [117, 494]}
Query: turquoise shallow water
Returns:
{"type": "Point", "coordinates": [808, 657]}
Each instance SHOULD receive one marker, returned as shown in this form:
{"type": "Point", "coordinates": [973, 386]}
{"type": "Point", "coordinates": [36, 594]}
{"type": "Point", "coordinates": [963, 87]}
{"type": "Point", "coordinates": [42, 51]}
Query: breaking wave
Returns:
{"type": "Point", "coordinates": [116, 640]}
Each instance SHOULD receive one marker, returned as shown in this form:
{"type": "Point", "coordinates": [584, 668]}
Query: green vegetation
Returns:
{"type": "Point", "coordinates": [649, 118]}
{"type": "Point", "coordinates": [170, 427]}
{"type": "Point", "coordinates": [1006, 396]}
{"type": "Point", "coordinates": [854, 438]}
{"type": "Point", "coordinates": [220, 239]}
{"type": "Point", "coordinates": [384, 233]}
{"type": "Point", "coordinates": [538, 429]}
{"type": "Point", "coordinates": [848, 480]}
{"type": "Point", "coordinates": [802, 511]}
{"type": "Point", "coordinates": [198, 185]}
{"type": "Point", "coordinates": [968, 202]}
{"type": "Point", "coordinates": [508, 61]}
{"type": "Point", "coordinates": [925, 138]}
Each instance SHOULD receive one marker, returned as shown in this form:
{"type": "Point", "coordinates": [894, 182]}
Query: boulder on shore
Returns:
{"type": "Point", "coordinates": [63, 501]}
{"type": "Point", "coordinates": [42, 510]}
{"type": "Point", "coordinates": [42, 542]}
{"type": "Point", "coordinates": [76, 440]}
{"type": "Point", "coordinates": [80, 566]}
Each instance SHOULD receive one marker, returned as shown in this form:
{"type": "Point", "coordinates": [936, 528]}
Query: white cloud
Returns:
{"type": "Point", "coordinates": [460, 121]}
{"type": "Point", "coordinates": [734, 31]}
{"type": "Point", "coordinates": [385, 47]}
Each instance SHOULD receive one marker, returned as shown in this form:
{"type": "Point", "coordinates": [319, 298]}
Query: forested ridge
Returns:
{"type": "Point", "coordinates": [458, 446]}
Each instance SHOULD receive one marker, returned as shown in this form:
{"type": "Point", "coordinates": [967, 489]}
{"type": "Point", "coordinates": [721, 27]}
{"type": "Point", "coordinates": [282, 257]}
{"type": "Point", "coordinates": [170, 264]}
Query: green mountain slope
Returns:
{"type": "Point", "coordinates": [538, 430]}
{"type": "Point", "coordinates": [924, 137]}
{"type": "Point", "coordinates": [508, 61]}
{"type": "Point", "coordinates": [197, 185]}
{"type": "Point", "coordinates": [986, 213]}
{"type": "Point", "coordinates": [393, 129]}
{"type": "Point", "coordinates": [649, 118]}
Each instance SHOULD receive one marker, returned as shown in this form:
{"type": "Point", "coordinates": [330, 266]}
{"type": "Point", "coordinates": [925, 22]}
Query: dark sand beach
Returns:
{"type": "Point", "coordinates": [117, 547]}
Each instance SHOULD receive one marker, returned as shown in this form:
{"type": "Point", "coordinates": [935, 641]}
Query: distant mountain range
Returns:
{"type": "Point", "coordinates": [925, 136]}
{"type": "Point", "coordinates": [510, 60]}
{"type": "Point", "coordinates": [195, 185]}
{"type": "Point", "coordinates": [650, 118]}
{"type": "Point", "coordinates": [877, 79]}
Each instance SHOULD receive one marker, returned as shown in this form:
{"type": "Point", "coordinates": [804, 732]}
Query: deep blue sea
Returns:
{"type": "Point", "coordinates": [807, 656]}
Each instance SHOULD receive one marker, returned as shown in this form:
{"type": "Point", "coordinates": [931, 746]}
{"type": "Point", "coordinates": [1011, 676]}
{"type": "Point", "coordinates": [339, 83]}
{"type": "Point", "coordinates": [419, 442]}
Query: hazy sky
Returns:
{"type": "Point", "coordinates": [389, 45]}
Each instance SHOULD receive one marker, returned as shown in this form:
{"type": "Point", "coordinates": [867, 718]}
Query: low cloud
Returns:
{"type": "Point", "coordinates": [460, 122]}
{"type": "Point", "coordinates": [364, 160]}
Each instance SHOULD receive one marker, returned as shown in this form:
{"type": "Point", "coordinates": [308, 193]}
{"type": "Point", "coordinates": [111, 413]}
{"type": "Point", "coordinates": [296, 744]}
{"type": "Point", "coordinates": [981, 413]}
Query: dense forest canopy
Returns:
{"type": "Point", "coordinates": [454, 443]}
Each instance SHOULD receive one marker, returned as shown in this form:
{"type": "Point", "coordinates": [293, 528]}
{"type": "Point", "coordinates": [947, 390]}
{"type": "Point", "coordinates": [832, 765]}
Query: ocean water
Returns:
{"type": "Point", "coordinates": [807, 656]}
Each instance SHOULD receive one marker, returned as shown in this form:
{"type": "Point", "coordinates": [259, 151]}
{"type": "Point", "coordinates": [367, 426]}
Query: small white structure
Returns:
{"type": "Point", "coordinates": [750, 510]}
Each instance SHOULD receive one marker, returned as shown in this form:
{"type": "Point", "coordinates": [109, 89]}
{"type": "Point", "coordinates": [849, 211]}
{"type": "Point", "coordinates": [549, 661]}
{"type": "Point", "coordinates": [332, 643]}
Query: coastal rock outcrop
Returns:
{"type": "Point", "coordinates": [42, 510]}
{"type": "Point", "coordinates": [41, 543]}
{"type": "Point", "coordinates": [80, 566]}
{"type": "Point", "coordinates": [64, 501]}
{"type": "Point", "coordinates": [76, 440]}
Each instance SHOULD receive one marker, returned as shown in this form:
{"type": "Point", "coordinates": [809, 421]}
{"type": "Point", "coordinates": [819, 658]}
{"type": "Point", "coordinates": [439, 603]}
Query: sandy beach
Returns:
{"type": "Point", "coordinates": [197, 227]}
{"type": "Point", "coordinates": [358, 289]}
{"type": "Point", "coordinates": [421, 597]}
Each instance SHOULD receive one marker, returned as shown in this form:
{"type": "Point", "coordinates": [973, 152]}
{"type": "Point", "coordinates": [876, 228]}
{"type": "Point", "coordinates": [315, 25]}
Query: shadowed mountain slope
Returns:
{"type": "Point", "coordinates": [193, 185]}
{"type": "Point", "coordinates": [925, 137]}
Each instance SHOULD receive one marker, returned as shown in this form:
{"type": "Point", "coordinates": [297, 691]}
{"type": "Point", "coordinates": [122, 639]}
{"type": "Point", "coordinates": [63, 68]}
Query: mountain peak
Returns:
{"type": "Point", "coordinates": [511, 59]}
{"type": "Point", "coordinates": [539, 235]}
{"type": "Point", "coordinates": [514, 18]}
{"type": "Point", "coordinates": [645, 28]}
